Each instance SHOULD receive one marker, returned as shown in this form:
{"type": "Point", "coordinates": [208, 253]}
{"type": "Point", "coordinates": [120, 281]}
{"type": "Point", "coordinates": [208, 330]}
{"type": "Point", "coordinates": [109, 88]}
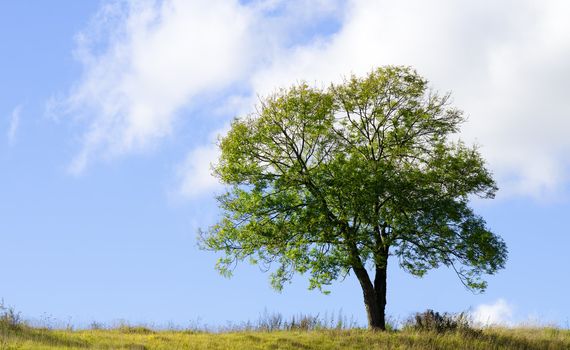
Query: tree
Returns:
{"type": "Point", "coordinates": [328, 182]}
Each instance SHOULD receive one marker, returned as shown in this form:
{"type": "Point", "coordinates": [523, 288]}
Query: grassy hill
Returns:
{"type": "Point", "coordinates": [24, 337]}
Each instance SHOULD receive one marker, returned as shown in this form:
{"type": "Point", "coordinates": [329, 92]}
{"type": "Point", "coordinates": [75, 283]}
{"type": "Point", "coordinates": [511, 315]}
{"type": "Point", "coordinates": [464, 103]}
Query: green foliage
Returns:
{"type": "Point", "coordinates": [325, 181]}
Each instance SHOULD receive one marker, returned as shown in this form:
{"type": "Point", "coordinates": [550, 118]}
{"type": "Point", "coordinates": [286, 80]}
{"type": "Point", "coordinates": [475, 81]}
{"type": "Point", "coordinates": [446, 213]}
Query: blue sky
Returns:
{"type": "Point", "coordinates": [109, 111]}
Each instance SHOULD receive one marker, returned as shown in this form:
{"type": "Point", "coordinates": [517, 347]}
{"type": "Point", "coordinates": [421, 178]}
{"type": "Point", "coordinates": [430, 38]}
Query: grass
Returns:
{"type": "Point", "coordinates": [24, 337]}
{"type": "Point", "coordinates": [428, 330]}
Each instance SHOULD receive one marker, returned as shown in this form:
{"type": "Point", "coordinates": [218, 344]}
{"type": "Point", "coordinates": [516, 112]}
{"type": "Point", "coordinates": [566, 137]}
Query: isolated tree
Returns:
{"type": "Point", "coordinates": [329, 182]}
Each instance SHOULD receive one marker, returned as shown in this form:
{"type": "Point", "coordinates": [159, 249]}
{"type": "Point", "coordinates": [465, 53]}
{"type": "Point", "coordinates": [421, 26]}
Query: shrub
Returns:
{"type": "Point", "coordinates": [432, 321]}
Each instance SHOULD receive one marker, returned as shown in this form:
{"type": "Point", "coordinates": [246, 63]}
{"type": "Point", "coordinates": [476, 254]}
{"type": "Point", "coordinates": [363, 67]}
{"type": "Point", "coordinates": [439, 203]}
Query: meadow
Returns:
{"type": "Point", "coordinates": [303, 334]}
{"type": "Point", "coordinates": [141, 338]}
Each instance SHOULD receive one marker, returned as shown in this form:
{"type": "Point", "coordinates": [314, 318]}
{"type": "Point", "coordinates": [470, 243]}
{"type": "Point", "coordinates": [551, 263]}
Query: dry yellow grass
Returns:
{"type": "Point", "coordinates": [140, 338]}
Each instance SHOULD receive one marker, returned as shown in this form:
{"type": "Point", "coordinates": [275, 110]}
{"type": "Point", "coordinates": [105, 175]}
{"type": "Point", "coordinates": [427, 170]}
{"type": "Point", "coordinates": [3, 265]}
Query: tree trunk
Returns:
{"type": "Point", "coordinates": [374, 300]}
{"type": "Point", "coordinates": [374, 294]}
{"type": "Point", "coordinates": [380, 290]}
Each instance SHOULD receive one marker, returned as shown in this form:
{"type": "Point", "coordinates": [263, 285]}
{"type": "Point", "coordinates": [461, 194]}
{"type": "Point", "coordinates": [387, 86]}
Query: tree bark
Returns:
{"type": "Point", "coordinates": [373, 301]}
{"type": "Point", "coordinates": [374, 294]}
{"type": "Point", "coordinates": [380, 289]}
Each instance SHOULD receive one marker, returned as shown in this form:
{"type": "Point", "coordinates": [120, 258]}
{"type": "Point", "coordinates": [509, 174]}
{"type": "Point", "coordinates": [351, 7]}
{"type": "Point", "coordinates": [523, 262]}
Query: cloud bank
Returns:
{"type": "Point", "coordinates": [505, 62]}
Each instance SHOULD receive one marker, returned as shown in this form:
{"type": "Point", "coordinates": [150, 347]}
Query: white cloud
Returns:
{"type": "Point", "coordinates": [506, 63]}
{"type": "Point", "coordinates": [195, 178]}
{"type": "Point", "coordinates": [143, 61]}
{"type": "Point", "coordinates": [194, 174]}
{"type": "Point", "coordinates": [14, 125]}
{"type": "Point", "coordinates": [503, 313]}
{"type": "Point", "coordinates": [499, 313]}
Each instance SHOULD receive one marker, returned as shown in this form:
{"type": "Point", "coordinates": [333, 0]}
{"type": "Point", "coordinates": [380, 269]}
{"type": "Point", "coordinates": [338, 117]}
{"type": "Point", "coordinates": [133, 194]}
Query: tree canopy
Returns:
{"type": "Point", "coordinates": [325, 182]}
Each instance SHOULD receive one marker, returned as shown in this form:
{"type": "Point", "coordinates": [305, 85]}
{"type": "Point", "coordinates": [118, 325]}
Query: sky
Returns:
{"type": "Point", "coordinates": [110, 112]}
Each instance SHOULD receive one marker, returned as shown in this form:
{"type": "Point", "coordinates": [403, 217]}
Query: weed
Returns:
{"type": "Point", "coordinates": [9, 318]}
